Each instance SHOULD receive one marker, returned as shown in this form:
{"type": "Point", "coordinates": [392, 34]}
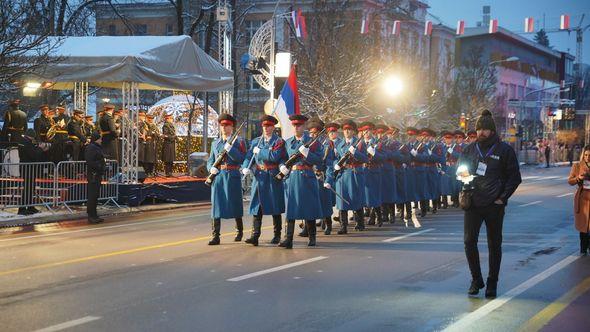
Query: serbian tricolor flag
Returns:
{"type": "Point", "coordinates": [529, 24]}
{"type": "Point", "coordinates": [299, 24]}
{"type": "Point", "coordinates": [428, 28]}
{"type": "Point", "coordinates": [564, 24]}
{"type": "Point", "coordinates": [396, 28]}
{"type": "Point", "coordinates": [460, 27]}
{"type": "Point", "coordinates": [365, 24]}
{"type": "Point", "coordinates": [288, 104]}
{"type": "Point", "coordinates": [493, 26]}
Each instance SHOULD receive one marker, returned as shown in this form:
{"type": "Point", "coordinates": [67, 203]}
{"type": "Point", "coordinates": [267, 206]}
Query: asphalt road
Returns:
{"type": "Point", "coordinates": [155, 272]}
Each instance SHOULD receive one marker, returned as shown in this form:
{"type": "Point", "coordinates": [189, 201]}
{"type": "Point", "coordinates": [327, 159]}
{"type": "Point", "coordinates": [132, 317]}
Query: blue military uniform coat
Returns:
{"type": "Point", "coordinates": [401, 160]}
{"type": "Point", "coordinates": [226, 190]}
{"type": "Point", "coordinates": [373, 175]}
{"type": "Point", "coordinates": [350, 182]}
{"type": "Point", "coordinates": [389, 187]}
{"type": "Point", "coordinates": [419, 162]}
{"type": "Point", "coordinates": [301, 186]}
{"type": "Point", "coordinates": [449, 179]}
{"type": "Point", "coordinates": [437, 158]}
{"type": "Point", "coordinates": [327, 197]}
{"type": "Point", "coordinates": [267, 195]}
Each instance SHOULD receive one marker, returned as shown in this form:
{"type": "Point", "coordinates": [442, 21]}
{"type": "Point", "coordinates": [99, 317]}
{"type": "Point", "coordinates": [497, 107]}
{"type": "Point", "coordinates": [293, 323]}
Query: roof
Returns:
{"type": "Point", "coordinates": [155, 62]}
{"type": "Point", "coordinates": [481, 31]}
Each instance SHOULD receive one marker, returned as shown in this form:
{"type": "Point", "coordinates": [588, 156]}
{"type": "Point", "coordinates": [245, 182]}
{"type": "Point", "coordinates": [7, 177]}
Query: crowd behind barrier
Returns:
{"type": "Point", "coordinates": [52, 186]}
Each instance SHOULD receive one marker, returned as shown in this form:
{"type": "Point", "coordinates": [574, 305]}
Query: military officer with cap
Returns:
{"type": "Point", "coordinates": [76, 135]}
{"type": "Point", "coordinates": [267, 195]}
{"type": "Point", "coordinates": [412, 173]}
{"type": "Point", "coordinates": [433, 169]}
{"type": "Point", "coordinates": [108, 132]}
{"type": "Point", "coordinates": [301, 187]}
{"type": "Point", "coordinates": [226, 190]}
{"type": "Point", "coordinates": [142, 129]}
{"type": "Point", "coordinates": [153, 134]}
{"type": "Point", "coordinates": [168, 144]}
{"type": "Point", "coordinates": [349, 182]}
{"type": "Point", "coordinates": [61, 115]}
{"type": "Point", "coordinates": [420, 160]}
{"type": "Point", "coordinates": [471, 136]}
{"type": "Point", "coordinates": [388, 188]}
{"type": "Point", "coordinates": [331, 143]}
{"type": "Point", "coordinates": [447, 178]}
{"type": "Point", "coordinates": [42, 124]}
{"type": "Point", "coordinates": [459, 147]}
{"type": "Point", "coordinates": [15, 122]}
{"type": "Point", "coordinates": [373, 180]}
{"type": "Point", "coordinates": [401, 158]}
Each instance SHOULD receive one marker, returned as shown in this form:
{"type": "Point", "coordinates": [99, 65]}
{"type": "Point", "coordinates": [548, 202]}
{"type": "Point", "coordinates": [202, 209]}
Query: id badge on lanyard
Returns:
{"type": "Point", "coordinates": [482, 167]}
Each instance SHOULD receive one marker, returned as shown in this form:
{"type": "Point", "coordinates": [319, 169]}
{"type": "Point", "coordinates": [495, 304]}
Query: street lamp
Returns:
{"type": "Point", "coordinates": [393, 86]}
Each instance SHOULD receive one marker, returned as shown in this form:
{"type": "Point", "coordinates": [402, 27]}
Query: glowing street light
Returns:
{"type": "Point", "coordinates": [393, 86]}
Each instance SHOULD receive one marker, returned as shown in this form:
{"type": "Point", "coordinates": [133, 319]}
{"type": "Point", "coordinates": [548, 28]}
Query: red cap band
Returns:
{"type": "Point", "coordinates": [226, 122]}
{"type": "Point", "coordinates": [297, 122]}
{"type": "Point", "coordinates": [268, 124]}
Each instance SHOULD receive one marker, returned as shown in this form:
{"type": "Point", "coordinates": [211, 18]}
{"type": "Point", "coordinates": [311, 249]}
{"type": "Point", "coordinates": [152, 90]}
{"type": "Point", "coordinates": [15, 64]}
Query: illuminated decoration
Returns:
{"type": "Point", "coordinates": [179, 107]}
{"type": "Point", "coordinates": [393, 86]}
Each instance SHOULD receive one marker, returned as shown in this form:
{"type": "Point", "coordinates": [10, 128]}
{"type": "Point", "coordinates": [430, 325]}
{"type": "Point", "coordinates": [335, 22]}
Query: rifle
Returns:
{"type": "Point", "coordinates": [344, 159]}
{"type": "Point", "coordinates": [295, 158]}
{"type": "Point", "coordinates": [221, 156]}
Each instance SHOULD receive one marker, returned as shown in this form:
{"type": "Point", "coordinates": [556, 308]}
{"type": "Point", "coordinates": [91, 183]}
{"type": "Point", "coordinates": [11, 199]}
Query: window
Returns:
{"type": "Point", "coordinates": [112, 30]}
{"type": "Point", "coordinates": [141, 30]}
{"type": "Point", "coordinates": [252, 27]}
{"type": "Point", "coordinates": [169, 30]}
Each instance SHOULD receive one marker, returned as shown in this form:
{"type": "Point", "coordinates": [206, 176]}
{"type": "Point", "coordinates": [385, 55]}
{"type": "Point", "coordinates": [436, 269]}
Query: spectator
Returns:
{"type": "Point", "coordinates": [570, 154]}
{"type": "Point", "coordinates": [547, 154]}
{"type": "Point", "coordinates": [580, 176]}
{"type": "Point", "coordinates": [96, 165]}
{"type": "Point", "coordinates": [29, 152]}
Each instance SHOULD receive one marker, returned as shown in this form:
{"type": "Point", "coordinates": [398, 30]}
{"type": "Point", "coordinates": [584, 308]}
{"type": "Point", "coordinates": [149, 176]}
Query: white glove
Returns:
{"type": "Point", "coordinates": [352, 149]}
{"type": "Point", "coordinates": [304, 151]}
{"type": "Point", "coordinates": [227, 147]}
{"type": "Point", "coordinates": [429, 153]}
{"type": "Point", "coordinates": [371, 150]}
{"type": "Point", "coordinates": [450, 150]}
{"type": "Point", "coordinates": [327, 186]}
{"type": "Point", "coordinates": [246, 171]}
{"type": "Point", "coordinates": [256, 150]}
{"type": "Point", "coordinates": [213, 170]}
{"type": "Point", "coordinates": [337, 167]}
{"type": "Point", "coordinates": [414, 152]}
{"type": "Point", "coordinates": [404, 165]}
{"type": "Point", "coordinates": [284, 170]}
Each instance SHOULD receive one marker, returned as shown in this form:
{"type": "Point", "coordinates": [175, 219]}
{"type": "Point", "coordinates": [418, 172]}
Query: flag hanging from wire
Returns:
{"type": "Point", "coordinates": [299, 24]}
{"type": "Point", "coordinates": [365, 24]}
{"type": "Point", "coordinates": [395, 30]}
{"type": "Point", "coordinates": [460, 27]}
{"type": "Point", "coordinates": [428, 28]}
{"type": "Point", "coordinates": [564, 22]}
{"type": "Point", "coordinates": [493, 26]}
{"type": "Point", "coordinates": [529, 24]}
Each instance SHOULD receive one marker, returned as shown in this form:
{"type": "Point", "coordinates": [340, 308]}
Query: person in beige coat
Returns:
{"type": "Point", "coordinates": [580, 176]}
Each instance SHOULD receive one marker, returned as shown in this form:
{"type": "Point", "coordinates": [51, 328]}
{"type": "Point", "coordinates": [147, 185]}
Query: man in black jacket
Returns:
{"type": "Point", "coordinates": [497, 175]}
{"type": "Point", "coordinates": [96, 165]}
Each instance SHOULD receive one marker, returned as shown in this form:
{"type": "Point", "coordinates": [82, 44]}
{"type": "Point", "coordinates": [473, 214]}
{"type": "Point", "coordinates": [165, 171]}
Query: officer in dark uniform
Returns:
{"type": "Point", "coordinates": [61, 115]}
{"type": "Point", "coordinates": [76, 135]}
{"type": "Point", "coordinates": [118, 117]}
{"type": "Point", "coordinates": [28, 152]}
{"type": "Point", "coordinates": [42, 124]}
{"type": "Point", "coordinates": [143, 132]}
{"type": "Point", "coordinates": [108, 132]}
{"type": "Point", "coordinates": [168, 144]}
{"type": "Point", "coordinates": [95, 161]}
{"type": "Point", "coordinates": [58, 149]}
{"type": "Point", "coordinates": [88, 127]}
{"type": "Point", "coordinates": [150, 145]}
{"type": "Point", "coordinates": [15, 123]}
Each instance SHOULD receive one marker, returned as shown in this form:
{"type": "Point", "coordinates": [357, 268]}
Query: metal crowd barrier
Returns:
{"type": "Point", "coordinates": [28, 184]}
{"type": "Point", "coordinates": [72, 183]}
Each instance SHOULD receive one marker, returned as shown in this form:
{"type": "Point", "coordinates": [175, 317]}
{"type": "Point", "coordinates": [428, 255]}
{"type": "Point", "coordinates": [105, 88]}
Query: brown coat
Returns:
{"type": "Point", "coordinates": [581, 199]}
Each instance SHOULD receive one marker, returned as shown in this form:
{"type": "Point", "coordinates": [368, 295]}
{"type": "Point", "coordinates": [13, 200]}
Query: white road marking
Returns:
{"type": "Point", "coordinates": [401, 237]}
{"type": "Point", "coordinates": [530, 177]}
{"type": "Point", "coordinates": [278, 268]}
{"type": "Point", "coordinates": [98, 228]}
{"type": "Point", "coordinates": [463, 323]}
{"type": "Point", "coordinates": [564, 195]}
{"type": "Point", "coordinates": [68, 324]}
{"type": "Point", "coordinates": [531, 203]}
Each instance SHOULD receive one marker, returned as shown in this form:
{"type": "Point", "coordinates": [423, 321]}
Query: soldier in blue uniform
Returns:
{"type": "Point", "coordinates": [448, 179]}
{"type": "Point", "coordinates": [459, 146]}
{"type": "Point", "coordinates": [349, 182]}
{"type": "Point", "coordinates": [400, 155]}
{"type": "Point", "coordinates": [226, 190]}
{"type": "Point", "coordinates": [389, 182]}
{"type": "Point", "coordinates": [301, 187]}
{"type": "Point", "coordinates": [411, 173]}
{"type": "Point", "coordinates": [267, 194]}
{"type": "Point", "coordinates": [333, 135]}
{"type": "Point", "coordinates": [420, 160]}
{"type": "Point", "coordinates": [437, 159]}
{"type": "Point", "coordinates": [373, 180]}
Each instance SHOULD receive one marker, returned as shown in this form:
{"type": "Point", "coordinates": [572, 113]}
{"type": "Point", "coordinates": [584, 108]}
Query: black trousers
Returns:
{"type": "Point", "coordinates": [493, 216]}
{"type": "Point", "coordinates": [93, 191]}
{"type": "Point", "coordinates": [168, 168]}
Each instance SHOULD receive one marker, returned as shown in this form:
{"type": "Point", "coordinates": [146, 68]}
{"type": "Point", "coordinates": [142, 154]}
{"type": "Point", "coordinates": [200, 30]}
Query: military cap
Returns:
{"type": "Point", "coordinates": [315, 123]}
{"type": "Point", "coordinates": [349, 124]}
{"type": "Point", "coordinates": [150, 116]}
{"type": "Point", "coordinates": [88, 117]}
{"type": "Point", "coordinates": [446, 134]}
{"type": "Point", "coordinates": [167, 116]}
{"type": "Point", "coordinates": [44, 106]}
{"type": "Point", "coordinates": [268, 121]}
{"type": "Point", "coordinates": [381, 128]}
{"type": "Point", "coordinates": [411, 131]}
{"type": "Point", "coordinates": [60, 107]}
{"type": "Point", "coordinates": [298, 119]}
{"type": "Point", "coordinates": [332, 126]}
{"type": "Point", "coordinates": [367, 125]}
{"type": "Point", "coordinates": [472, 133]}
{"type": "Point", "coordinates": [108, 107]}
{"type": "Point", "coordinates": [226, 119]}
{"type": "Point", "coordinates": [141, 113]}
{"type": "Point", "coordinates": [459, 133]}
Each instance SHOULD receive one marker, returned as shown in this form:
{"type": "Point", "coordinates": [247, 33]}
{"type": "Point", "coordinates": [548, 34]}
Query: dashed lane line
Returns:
{"type": "Point", "coordinates": [531, 203]}
{"type": "Point", "coordinates": [401, 237]}
{"type": "Point", "coordinates": [69, 324]}
{"type": "Point", "coordinates": [564, 195]}
{"type": "Point", "coordinates": [278, 268]}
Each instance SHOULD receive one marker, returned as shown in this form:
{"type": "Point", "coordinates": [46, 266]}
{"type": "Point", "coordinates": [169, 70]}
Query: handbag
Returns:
{"type": "Point", "coordinates": [465, 199]}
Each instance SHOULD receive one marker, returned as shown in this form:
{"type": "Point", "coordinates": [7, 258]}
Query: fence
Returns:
{"type": "Point", "coordinates": [51, 186]}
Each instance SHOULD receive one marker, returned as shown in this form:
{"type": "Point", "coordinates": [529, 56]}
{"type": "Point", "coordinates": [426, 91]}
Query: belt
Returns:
{"type": "Point", "coordinates": [230, 167]}
{"type": "Point", "coordinates": [267, 167]}
{"type": "Point", "coordinates": [371, 166]}
{"type": "Point", "coordinates": [419, 164]}
{"type": "Point", "coordinates": [301, 168]}
{"type": "Point", "coordinates": [74, 137]}
{"type": "Point", "coordinates": [19, 129]}
{"type": "Point", "coordinates": [353, 165]}
{"type": "Point", "coordinates": [451, 163]}
{"type": "Point", "coordinates": [105, 132]}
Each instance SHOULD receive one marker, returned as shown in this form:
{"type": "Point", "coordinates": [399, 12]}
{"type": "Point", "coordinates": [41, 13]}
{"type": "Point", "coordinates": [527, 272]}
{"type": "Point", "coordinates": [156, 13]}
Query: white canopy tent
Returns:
{"type": "Point", "coordinates": [130, 63]}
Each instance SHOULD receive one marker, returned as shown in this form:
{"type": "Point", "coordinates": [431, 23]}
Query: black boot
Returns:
{"type": "Point", "coordinates": [311, 229]}
{"type": "Point", "coordinates": [360, 220]}
{"type": "Point", "coordinates": [455, 200]}
{"type": "Point", "coordinates": [476, 285]}
{"type": "Point", "coordinates": [379, 214]}
{"type": "Point", "coordinates": [371, 221]}
{"type": "Point", "coordinates": [392, 213]}
{"type": "Point", "coordinates": [385, 211]}
{"type": "Point", "coordinates": [239, 230]}
{"type": "Point", "coordinates": [584, 243]}
{"type": "Point", "coordinates": [216, 226]}
{"type": "Point", "coordinates": [423, 208]}
{"type": "Point", "coordinates": [303, 227]}
{"type": "Point", "coordinates": [435, 204]}
{"type": "Point", "coordinates": [491, 289]}
{"type": "Point", "coordinates": [408, 211]}
{"type": "Point", "coordinates": [288, 241]}
{"type": "Point", "coordinates": [328, 222]}
{"type": "Point", "coordinates": [256, 229]}
{"type": "Point", "coordinates": [277, 225]}
{"type": "Point", "coordinates": [445, 202]}
{"type": "Point", "coordinates": [400, 208]}
{"type": "Point", "coordinates": [343, 222]}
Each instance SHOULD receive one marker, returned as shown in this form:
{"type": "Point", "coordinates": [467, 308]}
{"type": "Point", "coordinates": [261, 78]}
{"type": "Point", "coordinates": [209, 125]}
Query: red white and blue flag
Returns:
{"type": "Point", "coordinates": [288, 104]}
{"type": "Point", "coordinates": [564, 22]}
{"type": "Point", "coordinates": [299, 24]}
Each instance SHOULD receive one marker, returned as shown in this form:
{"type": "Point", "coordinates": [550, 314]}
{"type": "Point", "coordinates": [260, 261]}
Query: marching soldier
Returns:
{"type": "Point", "coordinates": [349, 178]}
{"type": "Point", "coordinates": [401, 159]}
{"type": "Point", "coordinates": [372, 168]}
{"type": "Point", "coordinates": [412, 193]}
{"type": "Point", "coordinates": [153, 134]}
{"type": "Point", "coordinates": [42, 124]}
{"type": "Point", "coordinates": [471, 136]}
{"type": "Point", "coordinates": [143, 132]}
{"type": "Point", "coordinates": [267, 194]}
{"type": "Point", "coordinates": [433, 170]}
{"type": "Point", "coordinates": [447, 180]}
{"type": "Point", "coordinates": [388, 188]}
{"type": "Point", "coordinates": [315, 126]}
{"type": "Point", "coordinates": [459, 147]}
{"type": "Point", "coordinates": [332, 129]}
{"type": "Point", "coordinates": [226, 190]}
{"type": "Point", "coordinates": [301, 190]}
{"type": "Point", "coordinates": [168, 144]}
{"type": "Point", "coordinates": [420, 159]}
{"type": "Point", "coordinates": [15, 123]}
{"type": "Point", "coordinates": [108, 132]}
{"type": "Point", "coordinates": [76, 135]}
